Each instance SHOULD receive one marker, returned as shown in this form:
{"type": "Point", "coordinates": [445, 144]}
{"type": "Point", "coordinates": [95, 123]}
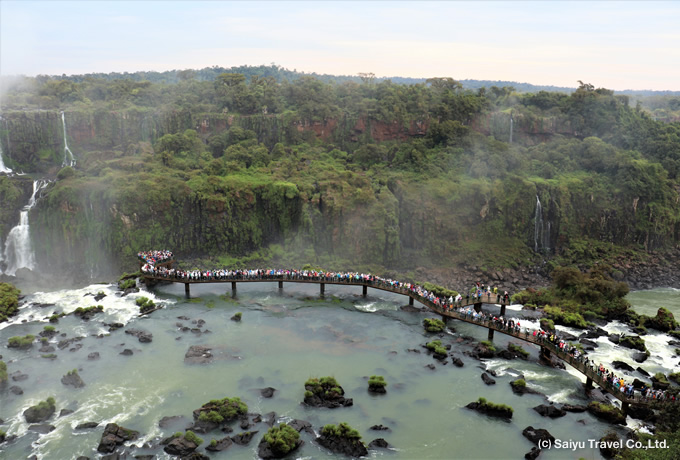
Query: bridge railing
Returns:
{"type": "Point", "coordinates": [447, 310]}
{"type": "Point", "coordinates": [581, 366]}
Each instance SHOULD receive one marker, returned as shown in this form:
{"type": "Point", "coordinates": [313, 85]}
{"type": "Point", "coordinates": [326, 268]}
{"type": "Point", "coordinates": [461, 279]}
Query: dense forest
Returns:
{"type": "Point", "coordinates": [270, 167]}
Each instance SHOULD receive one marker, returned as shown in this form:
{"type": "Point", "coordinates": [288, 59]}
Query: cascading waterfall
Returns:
{"type": "Point", "coordinates": [3, 168]}
{"type": "Point", "coordinates": [18, 249]}
{"type": "Point", "coordinates": [511, 123]}
{"type": "Point", "coordinates": [69, 159]}
{"type": "Point", "coordinates": [538, 226]}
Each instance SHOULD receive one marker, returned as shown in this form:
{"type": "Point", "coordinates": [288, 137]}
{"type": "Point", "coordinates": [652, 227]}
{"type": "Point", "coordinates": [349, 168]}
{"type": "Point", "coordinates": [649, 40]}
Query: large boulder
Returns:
{"type": "Point", "coordinates": [574, 408]}
{"type": "Point", "coordinates": [73, 379]}
{"type": "Point", "coordinates": [40, 412]}
{"type": "Point", "coordinates": [663, 321]}
{"type": "Point", "coordinates": [114, 436]}
{"type": "Point", "coordinates": [487, 380]}
{"type": "Point", "coordinates": [325, 392]}
{"type": "Point", "coordinates": [378, 443]}
{"type": "Point", "coordinates": [243, 439]}
{"type": "Point", "coordinates": [180, 446]}
{"type": "Point", "coordinates": [342, 440]}
{"type": "Point", "coordinates": [607, 412]}
{"type": "Point", "coordinates": [493, 410]}
{"type": "Point", "coordinates": [537, 435]}
{"type": "Point", "coordinates": [548, 410]}
{"type": "Point", "coordinates": [219, 446]}
{"type": "Point", "coordinates": [621, 365]}
{"type": "Point", "coordinates": [198, 354]}
{"type": "Point", "coordinates": [639, 357]}
{"type": "Point", "coordinates": [142, 336]}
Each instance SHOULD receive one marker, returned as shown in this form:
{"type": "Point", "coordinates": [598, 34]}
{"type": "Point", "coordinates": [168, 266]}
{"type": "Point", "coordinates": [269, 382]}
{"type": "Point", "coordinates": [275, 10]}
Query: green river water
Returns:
{"type": "Point", "coordinates": [285, 338]}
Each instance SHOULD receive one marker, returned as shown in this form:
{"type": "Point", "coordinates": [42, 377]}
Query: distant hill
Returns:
{"type": "Point", "coordinates": [281, 74]}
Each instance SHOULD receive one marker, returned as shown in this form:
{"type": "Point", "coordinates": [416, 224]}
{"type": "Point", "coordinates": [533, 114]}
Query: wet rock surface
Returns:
{"type": "Point", "coordinates": [114, 436]}
{"type": "Point", "coordinates": [198, 354]}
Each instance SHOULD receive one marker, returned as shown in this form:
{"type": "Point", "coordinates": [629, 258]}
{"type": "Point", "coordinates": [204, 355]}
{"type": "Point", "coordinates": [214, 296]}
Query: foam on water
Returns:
{"type": "Point", "coordinates": [369, 307]}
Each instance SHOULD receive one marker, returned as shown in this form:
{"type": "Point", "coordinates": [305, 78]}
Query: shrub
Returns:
{"type": "Point", "coordinates": [660, 377]}
{"type": "Point", "coordinates": [518, 349]}
{"type": "Point", "coordinates": [127, 284]}
{"type": "Point", "coordinates": [377, 380]}
{"type": "Point", "coordinates": [49, 328]}
{"type": "Point", "coordinates": [145, 304]}
{"type": "Point", "coordinates": [49, 356]}
{"type": "Point", "coordinates": [519, 383]}
{"type": "Point", "coordinates": [343, 430]}
{"type": "Point", "coordinates": [489, 345]}
{"type": "Point", "coordinates": [433, 325]}
{"type": "Point", "coordinates": [238, 315]}
{"type": "Point", "coordinates": [495, 407]}
{"type": "Point", "coordinates": [191, 437]}
{"type": "Point", "coordinates": [3, 372]}
{"type": "Point", "coordinates": [547, 324]}
{"type": "Point", "coordinates": [43, 339]}
{"type": "Point", "coordinates": [227, 408]}
{"type": "Point", "coordinates": [9, 301]}
{"type": "Point", "coordinates": [86, 312]}
{"type": "Point", "coordinates": [436, 347]}
{"type": "Point", "coordinates": [211, 416]}
{"type": "Point", "coordinates": [21, 342]}
{"type": "Point", "coordinates": [282, 439]}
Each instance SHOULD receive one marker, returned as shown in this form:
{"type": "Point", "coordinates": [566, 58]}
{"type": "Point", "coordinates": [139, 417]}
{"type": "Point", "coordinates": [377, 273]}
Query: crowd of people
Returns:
{"type": "Point", "coordinates": [443, 303]}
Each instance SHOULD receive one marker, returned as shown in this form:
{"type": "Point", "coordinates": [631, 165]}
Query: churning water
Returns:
{"type": "Point", "coordinates": [284, 338]}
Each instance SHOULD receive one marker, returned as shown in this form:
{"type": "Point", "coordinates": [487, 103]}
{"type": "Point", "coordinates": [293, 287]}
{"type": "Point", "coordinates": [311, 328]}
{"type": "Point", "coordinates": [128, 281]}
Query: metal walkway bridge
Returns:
{"type": "Point", "coordinates": [446, 312]}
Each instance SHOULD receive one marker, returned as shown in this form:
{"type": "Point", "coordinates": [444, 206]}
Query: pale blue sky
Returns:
{"type": "Point", "coordinates": [617, 45]}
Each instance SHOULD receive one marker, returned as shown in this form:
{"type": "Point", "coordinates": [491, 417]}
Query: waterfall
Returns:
{"type": "Point", "coordinates": [3, 168]}
{"type": "Point", "coordinates": [511, 121]}
{"type": "Point", "coordinates": [538, 226]}
{"type": "Point", "coordinates": [18, 250]}
{"type": "Point", "coordinates": [69, 159]}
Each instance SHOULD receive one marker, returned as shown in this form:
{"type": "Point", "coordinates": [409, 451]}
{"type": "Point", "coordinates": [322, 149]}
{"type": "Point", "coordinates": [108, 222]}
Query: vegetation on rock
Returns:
{"type": "Point", "coordinates": [145, 304]}
{"type": "Point", "coordinates": [21, 342]}
{"type": "Point", "coordinates": [9, 301]}
{"type": "Point", "coordinates": [219, 410]}
{"type": "Point", "coordinates": [433, 325]}
{"type": "Point", "coordinates": [377, 384]}
{"type": "Point", "coordinates": [436, 347]}
{"type": "Point", "coordinates": [518, 349]}
{"type": "Point", "coordinates": [3, 372]}
{"type": "Point", "coordinates": [41, 411]}
{"type": "Point", "coordinates": [575, 296]}
{"type": "Point", "coordinates": [282, 439]}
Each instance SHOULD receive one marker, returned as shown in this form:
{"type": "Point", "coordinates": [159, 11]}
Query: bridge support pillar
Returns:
{"type": "Point", "coordinates": [545, 353]}
{"type": "Point", "coordinates": [445, 319]}
{"type": "Point", "coordinates": [503, 310]}
{"type": "Point", "coordinates": [364, 291]}
{"type": "Point", "coordinates": [233, 286]}
{"type": "Point", "coordinates": [187, 290]}
{"type": "Point", "coordinates": [280, 284]}
{"type": "Point", "coordinates": [322, 288]}
{"type": "Point", "coordinates": [589, 383]}
{"type": "Point", "coordinates": [490, 335]}
{"type": "Point", "coordinates": [410, 301]}
{"type": "Point", "coordinates": [478, 307]}
{"type": "Point", "coordinates": [624, 407]}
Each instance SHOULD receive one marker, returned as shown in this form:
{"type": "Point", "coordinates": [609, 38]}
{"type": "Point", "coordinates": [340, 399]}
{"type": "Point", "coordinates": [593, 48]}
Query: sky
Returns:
{"type": "Point", "coordinates": [615, 45]}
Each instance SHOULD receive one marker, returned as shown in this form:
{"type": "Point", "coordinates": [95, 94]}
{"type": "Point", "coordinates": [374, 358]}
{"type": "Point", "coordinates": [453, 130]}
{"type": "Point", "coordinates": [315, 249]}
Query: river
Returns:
{"type": "Point", "coordinates": [284, 338]}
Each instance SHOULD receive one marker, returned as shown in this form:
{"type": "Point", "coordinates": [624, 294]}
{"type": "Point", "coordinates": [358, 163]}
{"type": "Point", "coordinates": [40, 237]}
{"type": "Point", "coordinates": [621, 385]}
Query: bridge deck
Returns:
{"type": "Point", "coordinates": [582, 367]}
